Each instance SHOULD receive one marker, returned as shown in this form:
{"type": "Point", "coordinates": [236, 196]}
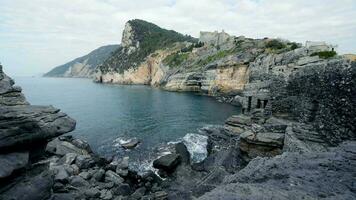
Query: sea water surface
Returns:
{"type": "Point", "coordinates": [106, 114]}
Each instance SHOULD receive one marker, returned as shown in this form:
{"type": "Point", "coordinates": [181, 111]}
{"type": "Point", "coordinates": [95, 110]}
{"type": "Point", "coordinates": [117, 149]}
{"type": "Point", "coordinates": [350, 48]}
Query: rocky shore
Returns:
{"type": "Point", "coordinates": [256, 155]}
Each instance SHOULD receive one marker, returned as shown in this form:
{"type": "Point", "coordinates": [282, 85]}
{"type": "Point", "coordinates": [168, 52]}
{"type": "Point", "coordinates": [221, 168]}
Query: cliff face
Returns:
{"type": "Point", "coordinates": [219, 64]}
{"type": "Point", "coordinates": [25, 128]}
{"type": "Point", "coordinates": [83, 67]}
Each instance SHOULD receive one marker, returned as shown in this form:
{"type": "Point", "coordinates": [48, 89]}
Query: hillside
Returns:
{"type": "Point", "coordinates": [83, 66]}
{"type": "Point", "coordinates": [139, 39]}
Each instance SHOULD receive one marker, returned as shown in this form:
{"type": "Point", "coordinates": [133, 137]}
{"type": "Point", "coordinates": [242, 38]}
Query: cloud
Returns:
{"type": "Point", "coordinates": [37, 35]}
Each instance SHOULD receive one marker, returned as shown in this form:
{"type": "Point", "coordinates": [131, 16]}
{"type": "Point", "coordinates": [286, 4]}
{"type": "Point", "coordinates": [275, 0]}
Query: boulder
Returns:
{"type": "Point", "coordinates": [182, 150]}
{"type": "Point", "coordinates": [130, 144]}
{"type": "Point", "coordinates": [111, 176]}
{"type": "Point", "coordinates": [61, 175]}
{"type": "Point", "coordinates": [99, 175]}
{"type": "Point", "coordinates": [122, 189]}
{"type": "Point", "coordinates": [310, 175]}
{"type": "Point", "coordinates": [260, 144]}
{"type": "Point", "coordinates": [26, 125]}
{"type": "Point", "coordinates": [34, 188]}
{"type": "Point", "coordinates": [84, 161]}
{"type": "Point", "coordinates": [197, 146]}
{"type": "Point", "coordinates": [167, 162]}
{"type": "Point", "coordinates": [60, 147]}
{"type": "Point", "coordinates": [92, 193]}
{"type": "Point", "coordinates": [11, 162]}
{"type": "Point", "coordinates": [78, 181]}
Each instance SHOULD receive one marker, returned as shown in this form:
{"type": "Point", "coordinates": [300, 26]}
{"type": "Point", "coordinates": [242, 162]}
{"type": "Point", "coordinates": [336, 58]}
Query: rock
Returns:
{"type": "Point", "coordinates": [167, 162]}
{"type": "Point", "coordinates": [122, 172]}
{"type": "Point", "coordinates": [23, 125]}
{"type": "Point", "coordinates": [68, 158]}
{"type": "Point", "coordinates": [63, 196]}
{"type": "Point", "coordinates": [130, 144]}
{"type": "Point", "coordinates": [92, 193]}
{"type": "Point", "coordinates": [138, 193]}
{"type": "Point", "coordinates": [85, 175]}
{"type": "Point", "coordinates": [61, 175]}
{"type": "Point", "coordinates": [111, 176]}
{"type": "Point", "coordinates": [265, 138]}
{"type": "Point", "coordinates": [78, 181]}
{"type": "Point", "coordinates": [182, 150]}
{"type": "Point", "coordinates": [122, 189]}
{"type": "Point", "coordinates": [197, 146]}
{"type": "Point", "coordinates": [105, 194]}
{"type": "Point", "coordinates": [35, 188]}
{"type": "Point", "coordinates": [123, 163]}
{"type": "Point", "coordinates": [99, 175]}
{"type": "Point", "coordinates": [11, 162]}
{"type": "Point", "coordinates": [161, 195]}
{"type": "Point", "coordinates": [59, 147]}
{"type": "Point", "coordinates": [240, 121]}
{"type": "Point", "coordinates": [84, 161]}
{"type": "Point", "coordinates": [310, 175]}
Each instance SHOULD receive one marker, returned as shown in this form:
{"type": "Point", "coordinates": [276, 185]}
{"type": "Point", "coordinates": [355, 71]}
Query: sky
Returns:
{"type": "Point", "coordinates": [37, 35]}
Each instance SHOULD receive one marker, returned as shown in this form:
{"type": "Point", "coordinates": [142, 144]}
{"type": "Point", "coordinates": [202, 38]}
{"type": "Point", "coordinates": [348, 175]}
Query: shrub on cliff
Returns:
{"type": "Point", "coordinates": [325, 54]}
{"type": "Point", "coordinates": [275, 44]}
{"type": "Point", "coordinates": [175, 59]}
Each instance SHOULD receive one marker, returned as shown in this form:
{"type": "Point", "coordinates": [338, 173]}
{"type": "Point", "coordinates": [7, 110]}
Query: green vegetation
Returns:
{"type": "Point", "coordinates": [293, 46]}
{"type": "Point", "coordinates": [325, 54]}
{"type": "Point", "coordinates": [214, 57]}
{"type": "Point", "coordinates": [151, 38]}
{"type": "Point", "coordinates": [175, 59]}
{"type": "Point", "coordinates": [275, 44]}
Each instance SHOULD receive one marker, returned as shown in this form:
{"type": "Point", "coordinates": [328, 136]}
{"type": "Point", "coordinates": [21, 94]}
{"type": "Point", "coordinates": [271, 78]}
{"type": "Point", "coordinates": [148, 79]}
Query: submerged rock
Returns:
{"type": "Point", "coordinates": [197, 146]}
{"type": "Point", "coordinates": [130, 144]}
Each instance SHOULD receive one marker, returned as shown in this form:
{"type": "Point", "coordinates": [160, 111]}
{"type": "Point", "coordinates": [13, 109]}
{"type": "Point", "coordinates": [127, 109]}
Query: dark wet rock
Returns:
{"type": "Point", "coordinates": [68, 158]}
{"type": "Point", "coordinates": [11, 162]}
{"type": "Point", "coordinates": [122, 189]}
{"type": "Point", "coordinates": [63, 196]}
{"type": "Point", "coordinates": [84, 161]}
{"type": "Point", "coordinates": [130, 144]}
{"type": "Point", "coordinates": [311, 175]}
{"type": "Point", "coordinates": [61, 175]}
{"type": "Point", "coordinates": [85, 175]}
{"type": "Point", "coordinates": [182, 150]}
{"type": "Point", "coordinates": [111, 176]}
{"type": "Point", "coordinates": [92, 193]}
{"type": "Point", "coordinates": [122, 172]}
{"type": "Point", "coordinates": [105, 194]}
{"type": "Point", "coordinates": [138, 193]}
{"type": "Point", "coordinates": [160, 195]}
{"type": "Point", "coordinates": [78, 181]}
{"type": "Point", "coordinates": [167, 162]}
{"type": "Point", "coordinates": [62, 147]}
{"type": "Point", "coordinates": [123, 163]}
{"type": "Point", "coordinates": [33, 188]}
{"type": "Point", "coordinates": [99, 175]}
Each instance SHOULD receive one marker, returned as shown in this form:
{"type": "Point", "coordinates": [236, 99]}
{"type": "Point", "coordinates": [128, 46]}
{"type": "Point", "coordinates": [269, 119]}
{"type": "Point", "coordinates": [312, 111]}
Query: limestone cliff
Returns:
{"type": "Point", "coordinates": [83, 67]}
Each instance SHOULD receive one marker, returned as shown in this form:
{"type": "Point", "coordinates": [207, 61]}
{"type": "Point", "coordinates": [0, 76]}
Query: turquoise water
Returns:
{"type": "Point", "coordinates": [105, 113]}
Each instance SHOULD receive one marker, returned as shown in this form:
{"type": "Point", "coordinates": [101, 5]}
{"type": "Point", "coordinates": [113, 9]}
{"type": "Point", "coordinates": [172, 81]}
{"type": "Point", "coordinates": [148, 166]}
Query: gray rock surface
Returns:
{"type": "Point", "coordinates": [312, 175]}
{"type": "Point", "coordinates": [11, 162]}
{"type": "Point", "coordinates": [167, 162]}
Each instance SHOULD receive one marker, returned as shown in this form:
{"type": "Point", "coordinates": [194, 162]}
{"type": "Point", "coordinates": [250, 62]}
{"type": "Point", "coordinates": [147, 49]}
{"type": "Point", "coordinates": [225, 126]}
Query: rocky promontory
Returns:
{"type": "Point", "coordinates": [295, 137]}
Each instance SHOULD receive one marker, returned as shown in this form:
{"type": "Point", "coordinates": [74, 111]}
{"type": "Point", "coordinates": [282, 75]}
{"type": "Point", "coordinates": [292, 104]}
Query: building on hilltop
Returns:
{"type": "Point", "coordinates": [215, 38]}
{"type": "Point", "coordinates": [315, 46]}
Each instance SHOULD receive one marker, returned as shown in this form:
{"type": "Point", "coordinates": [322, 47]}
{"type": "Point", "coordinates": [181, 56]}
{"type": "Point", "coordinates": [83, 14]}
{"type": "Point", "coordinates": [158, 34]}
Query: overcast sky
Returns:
{"type": "Point", "coordinates": [37, 35]}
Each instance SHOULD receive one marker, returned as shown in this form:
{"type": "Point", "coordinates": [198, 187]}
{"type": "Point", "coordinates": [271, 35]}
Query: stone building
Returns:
{"type": "Point", "coordinates": [215, 38]}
